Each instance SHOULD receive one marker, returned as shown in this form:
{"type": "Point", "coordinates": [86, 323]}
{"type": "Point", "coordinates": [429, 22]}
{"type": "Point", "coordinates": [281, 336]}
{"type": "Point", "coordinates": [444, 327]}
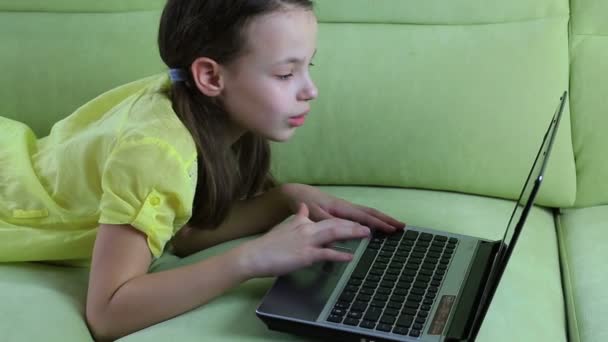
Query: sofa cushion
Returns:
{"type": "Point", "coordinates": [432, 98]}
{"type": "Point", "coordinates": [589, 48]}
{"type": "Point", "coordinates": [43, 303]}
{"type": "Point", "coordinates": [529, 298]}
{"type": "Point", "coordinates": [583, 234]}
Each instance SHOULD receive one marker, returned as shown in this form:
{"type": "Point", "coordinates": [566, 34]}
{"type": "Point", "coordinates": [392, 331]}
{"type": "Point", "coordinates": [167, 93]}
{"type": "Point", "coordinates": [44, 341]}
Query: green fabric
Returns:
{"type": "Point", "coordinates": [435, 107]}
{"type": "Point", "coordinates": [589, 16]}
{"type": "Point", "coordinates": [530, 297]}
{"type": "Point", "coordinates": [438, 12]}
{"type": "Point", "coordinates": [80, 5]}
{"type": "Point", "coordinates": [583, 234]}
{"type": "Point", "coordinates": [53, 63]}
{"type": "Point", "coordinates": [42, 303]}
{"type": "Point", "coordinates": [589, 49]}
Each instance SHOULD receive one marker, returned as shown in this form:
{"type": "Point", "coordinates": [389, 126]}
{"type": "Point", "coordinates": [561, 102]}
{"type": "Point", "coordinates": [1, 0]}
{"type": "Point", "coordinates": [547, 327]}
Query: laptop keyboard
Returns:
{"type": "Point", "coordinates": [395, 283]}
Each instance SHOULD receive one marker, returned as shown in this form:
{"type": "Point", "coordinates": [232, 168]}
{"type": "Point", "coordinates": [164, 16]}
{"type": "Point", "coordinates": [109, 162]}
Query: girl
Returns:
{"type": "Point", "coordinates": [183, 160]}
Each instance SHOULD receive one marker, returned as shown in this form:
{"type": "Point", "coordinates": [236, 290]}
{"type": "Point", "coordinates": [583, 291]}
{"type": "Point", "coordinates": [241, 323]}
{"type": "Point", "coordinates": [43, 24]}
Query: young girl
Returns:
{"type": "Point", "coordinates": [181, 159]}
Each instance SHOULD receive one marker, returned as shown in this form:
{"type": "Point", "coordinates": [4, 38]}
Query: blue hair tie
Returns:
{"type": "Point", "coordinates": [178, 75]}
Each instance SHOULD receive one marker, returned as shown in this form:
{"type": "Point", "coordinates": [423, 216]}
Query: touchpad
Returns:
{"type": "Point", "coordinates": [348, 245]}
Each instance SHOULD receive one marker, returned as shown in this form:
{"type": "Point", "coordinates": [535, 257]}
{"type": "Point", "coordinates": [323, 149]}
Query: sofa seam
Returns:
{"type": "Point", "coordinates": [68, 12]}
{"type": "Point", "coordinates": [392, 22]}
{"type": "Point", "coordinates": [573, 329]}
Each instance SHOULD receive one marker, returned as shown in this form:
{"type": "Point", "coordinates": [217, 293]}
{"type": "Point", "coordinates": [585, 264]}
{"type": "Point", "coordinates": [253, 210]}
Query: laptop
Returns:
{"type": "Point", "coordinates": [418, 284]}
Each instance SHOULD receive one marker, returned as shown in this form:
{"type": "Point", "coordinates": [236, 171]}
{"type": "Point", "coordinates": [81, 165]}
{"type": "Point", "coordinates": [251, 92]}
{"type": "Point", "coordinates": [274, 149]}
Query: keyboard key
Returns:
{"type": "Point", "coordinates": [377, 303]}
{"type": "Point", "coordinates": [373, 314]}
{"type": "Point", "coordinates": [400, 331]}
{"type": "Point", "coordinates": [351, 321]}
{"type": "Point", "coordinates": [414, 298]}
{"type": "Point", "coordinates": [415, 333]}
{"type": "Point", "coordinates": [386, 319]}
{"type": "Point", "coordinates": [367, 291]}
{"type": "Point", "coordinates": [391, 312]}
{"type": "Point", "coordinates": [347, 296]}
{"type": "Point", "coordinates": [405, 321]}
{"type": "Point", "coordinates": [393, 305]}
{"type": "Point", "coordinates": [423, 243]}
{"type": "Point", "coordinates": [400, 291]}
{"type": "Point", "coordinates": [441, 238]}
{"type": "Point", "coordinates": [411, 305]}
{"type": "Point", "coordinates": [334, 318]}
{"type": "Point", "coordinates": [420, 285]}
{"type": "Point", "coordinates": [370, 284]}
{"type": "Point", "coordinates": [426, 237]}
{"type": "Point", "coordinates": [363, 298]}
{"type": "Point", "coordinates": [426, 272]}
{"type": "Point", "coordinates": [390, 277]}
{"type": "Point", "coordinates": [381, 297]}
{"type": "Point", "coordinates": [397, 298]}
{"type": "Point", "coordinates": [409, 311]}
{"type": "Point", "coordinates": [359, 306]}
{"type": "Point", "coordinates": [367, 324]}
{"type": "Point", "coordinates": [384, 327]}
{"type": "Point", "coordinates": [387, 284]}
{"type": "Point", "coordinates": [355, 314]}
{"type": "Point", "coordinates": [410, 235]}
{"type": "Point", "coordinates": [355, 282]}
{"type": "Point", "coordinates": [338, 312]}
{"type": "Point", "coordinates": [384, 290]}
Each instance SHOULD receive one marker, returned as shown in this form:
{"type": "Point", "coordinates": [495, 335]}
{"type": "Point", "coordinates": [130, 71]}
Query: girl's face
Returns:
{"type": "Point", "coordinates": [270, 84]}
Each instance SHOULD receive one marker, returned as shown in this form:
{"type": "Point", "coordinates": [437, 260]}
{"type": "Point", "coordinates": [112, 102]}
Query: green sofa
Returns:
{"type": "Point", "coordinates": [431, 111]}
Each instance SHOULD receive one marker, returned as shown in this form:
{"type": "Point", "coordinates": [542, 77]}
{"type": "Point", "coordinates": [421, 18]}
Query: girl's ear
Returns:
{"type": "Point", "coordinates": [207, 76]}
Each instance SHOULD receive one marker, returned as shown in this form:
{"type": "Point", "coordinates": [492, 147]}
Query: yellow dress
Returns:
{"type": "Point", "coordinates": [122, 158]}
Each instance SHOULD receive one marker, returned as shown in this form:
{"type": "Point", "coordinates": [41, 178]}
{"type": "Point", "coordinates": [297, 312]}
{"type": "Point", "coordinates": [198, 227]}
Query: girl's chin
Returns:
{"type": "Point", "coordinates": [281, 136]}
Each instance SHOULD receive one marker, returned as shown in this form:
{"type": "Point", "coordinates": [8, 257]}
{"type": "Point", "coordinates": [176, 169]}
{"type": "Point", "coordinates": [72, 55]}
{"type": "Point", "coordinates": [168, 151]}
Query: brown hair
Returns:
{"type": "Point", "coordinates": [190, 29]}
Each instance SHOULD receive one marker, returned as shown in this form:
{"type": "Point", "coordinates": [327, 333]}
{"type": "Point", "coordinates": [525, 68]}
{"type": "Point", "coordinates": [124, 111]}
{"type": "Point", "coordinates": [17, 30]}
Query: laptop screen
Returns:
{"type": "Point", "coordinates": [522, 207]}
{"type": "Point", "coordinates": [535, 177]}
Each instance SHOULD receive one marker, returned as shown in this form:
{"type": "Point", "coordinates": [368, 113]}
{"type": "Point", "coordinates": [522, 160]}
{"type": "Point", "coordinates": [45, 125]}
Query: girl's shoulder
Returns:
{"type": "Point", "coordinates": [151, 116]}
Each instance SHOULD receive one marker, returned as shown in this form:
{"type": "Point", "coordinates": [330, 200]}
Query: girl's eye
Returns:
{"type": "Point", "coordinates": [285, 77]}
{"type": "Point", "coordinates": [311, 65]}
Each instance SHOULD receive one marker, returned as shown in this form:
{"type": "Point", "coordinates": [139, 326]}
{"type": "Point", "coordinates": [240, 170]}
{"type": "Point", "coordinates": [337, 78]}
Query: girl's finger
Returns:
{"type": "Point", "coordinates": [381, 216]}
{"type": "Point", "coordinates": [355, 214]}
{"type": "Point", "coordinates": [319, 214]}
{"type": "Point", "coordinates": [328, 254]}
{"type": "Point", "coordinates": [340, 232]}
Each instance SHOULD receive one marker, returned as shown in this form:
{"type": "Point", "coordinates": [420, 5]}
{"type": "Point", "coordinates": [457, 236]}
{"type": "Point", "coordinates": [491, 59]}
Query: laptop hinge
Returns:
{"type": "Point", "coordinates": [470, 296]}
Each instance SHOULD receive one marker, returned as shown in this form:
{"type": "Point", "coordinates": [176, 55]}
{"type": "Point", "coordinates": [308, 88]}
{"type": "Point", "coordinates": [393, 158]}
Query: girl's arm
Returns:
{"type": "Point", "coordinates": [123, 298]}
{"type": "Point", "coordinates": [248, 217]}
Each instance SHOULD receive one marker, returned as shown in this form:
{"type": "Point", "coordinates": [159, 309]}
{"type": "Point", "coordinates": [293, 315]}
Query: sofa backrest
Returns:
{"type": "Point", "coordinates": [55, 55]}
{"type": "Point", "coordinates": [432, 94]}
{"type": "Point", "coordinates": [589, 101]}
{"type": "Point", "coordinates": [451, 96]}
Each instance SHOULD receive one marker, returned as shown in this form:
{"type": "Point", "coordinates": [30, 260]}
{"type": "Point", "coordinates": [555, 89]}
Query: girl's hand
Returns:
{"type": "Point", "coordinates": [324, 206]}
{"type": "Point", "coordinates": [297, 243]}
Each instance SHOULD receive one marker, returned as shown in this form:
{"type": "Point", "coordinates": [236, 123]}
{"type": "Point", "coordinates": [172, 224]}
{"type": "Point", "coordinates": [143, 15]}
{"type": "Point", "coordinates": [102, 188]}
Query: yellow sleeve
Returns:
{"type": "Point", "coordinates": [147, 184]}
